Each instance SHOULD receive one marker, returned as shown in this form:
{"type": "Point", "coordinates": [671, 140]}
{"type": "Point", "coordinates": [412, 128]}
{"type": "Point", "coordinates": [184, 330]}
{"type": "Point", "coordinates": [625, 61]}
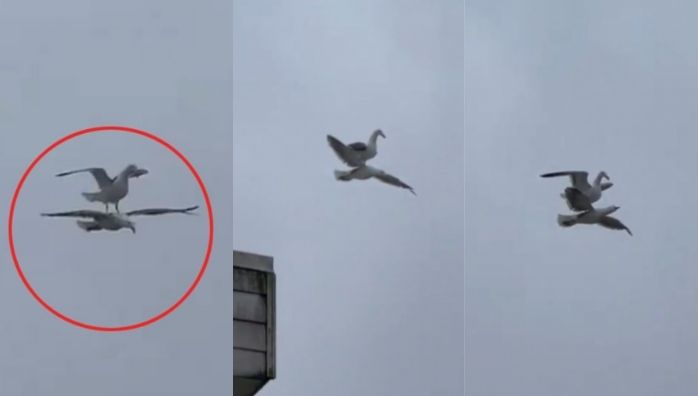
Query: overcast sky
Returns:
{"type": "Point", "coordinates": [162, 66]}
{"type": "Point", "coordinates": [593, 85]}
{"type": "Point", "coordinates": [370, 283]}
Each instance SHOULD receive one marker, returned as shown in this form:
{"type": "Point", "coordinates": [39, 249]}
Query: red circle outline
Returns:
{"type": "Point", "coordinates": [204, 265]}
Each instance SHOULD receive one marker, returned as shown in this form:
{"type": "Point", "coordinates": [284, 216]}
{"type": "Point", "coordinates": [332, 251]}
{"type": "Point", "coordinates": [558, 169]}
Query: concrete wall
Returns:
{"type": "Point", "coordinates": [254, 322]}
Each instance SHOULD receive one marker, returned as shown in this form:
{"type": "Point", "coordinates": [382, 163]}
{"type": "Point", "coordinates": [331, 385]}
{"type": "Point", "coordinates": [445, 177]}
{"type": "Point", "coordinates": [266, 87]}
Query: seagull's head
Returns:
{"type": "Point", "coordinates": [603, 174]}
{"type": "Point", "coordinates": [613, 208]}
{"type": "Point", "coordinates": [139, 172]}
{"type": "Point", "coordinates": [130, 170]}
{"type": "Point", "coordinates": [131, 227]}
{"type": "Point", "coordinates": [380, 133]}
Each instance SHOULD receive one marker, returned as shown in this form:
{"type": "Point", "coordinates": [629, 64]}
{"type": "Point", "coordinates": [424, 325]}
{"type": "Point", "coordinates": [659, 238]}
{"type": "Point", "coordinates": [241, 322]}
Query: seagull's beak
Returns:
{"type": "Point", "coordinates": [140, 172]}
{"type": "Point", "coordinates": [381, 133]}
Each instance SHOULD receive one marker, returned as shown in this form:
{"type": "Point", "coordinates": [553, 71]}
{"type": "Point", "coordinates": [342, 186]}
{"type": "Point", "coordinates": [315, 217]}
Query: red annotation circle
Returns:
{"type": "Point", "coordinates": [204, 264]}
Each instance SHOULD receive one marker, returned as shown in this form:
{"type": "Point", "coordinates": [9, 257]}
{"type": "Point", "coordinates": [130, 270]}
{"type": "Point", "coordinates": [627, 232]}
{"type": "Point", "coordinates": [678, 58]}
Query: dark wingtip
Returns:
{"type": "Point", "coordinates": [190, 209]}
{"type": "Point", "coordinates": [555, 174]}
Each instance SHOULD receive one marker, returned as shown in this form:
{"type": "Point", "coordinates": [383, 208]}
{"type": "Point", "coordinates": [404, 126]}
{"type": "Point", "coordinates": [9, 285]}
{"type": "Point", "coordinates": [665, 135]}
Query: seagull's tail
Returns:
{"type": "Point", "coordinates": [566, 220]}
{"type": "Point", "coordinates": [91, 196]}
{"type": "Point", "coordinates": [87, 225]}
{"type": "Point", "coordinates": [342, 175]}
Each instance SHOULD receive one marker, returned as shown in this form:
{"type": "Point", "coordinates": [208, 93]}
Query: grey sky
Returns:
{"type": "Point", "coordinates": [600, 86]}
{"type": "Point", "coordinates": [369, 276]}
{"type": "Point", "coordinates": [162, 66]}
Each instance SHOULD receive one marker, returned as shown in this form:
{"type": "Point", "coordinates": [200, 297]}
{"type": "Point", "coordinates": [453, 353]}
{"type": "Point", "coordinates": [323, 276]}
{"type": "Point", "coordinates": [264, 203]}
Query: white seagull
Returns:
{"type": "Point", "coordinates": [366, 172]}
{"type": "Point", "coordinates": [356, 154]}
{"type": "Point", "coordinates": [111, 190]}
{"type": "Point", "coordinates": [594, 216]}
{"type": "Point", "coordinates": [113, 221]}
{"type": "Point", "coordinates": [582, 193]}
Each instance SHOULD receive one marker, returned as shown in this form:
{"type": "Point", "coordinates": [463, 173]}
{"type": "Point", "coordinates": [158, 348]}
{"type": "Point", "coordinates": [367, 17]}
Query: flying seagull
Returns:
{"type": "Point", "coordinates": [366, 172]}
{"type": "Point", "coordinates": [111, 190]}
{"type": "Point", "coordinates": [594, 216]}
{"type": "Point", "coordinates": [114, 221]}
{"type": "Point", "coordinates": [582, 193]}
{"type": "Point", "coordinates": [356, 154]}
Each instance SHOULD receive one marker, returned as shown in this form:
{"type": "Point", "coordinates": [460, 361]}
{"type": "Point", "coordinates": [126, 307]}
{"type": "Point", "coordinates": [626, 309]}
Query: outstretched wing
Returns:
{"type": "Point", "coordinates": [579, 179]}
{"type": "Point", "coordinates": [390, 179]}
{"type": "Point", "coordinates": [94, 214]}
{"type": "Point", "coordinates": [159, 211]}
{"type": "Point", "coordinates": [576, 200]}
{"type": "Point", "coordinates": [100, 175]}
{"type": "Point", "coordinates": [344, 152]}
{"type": "Point", "coordinates": [613, 223]}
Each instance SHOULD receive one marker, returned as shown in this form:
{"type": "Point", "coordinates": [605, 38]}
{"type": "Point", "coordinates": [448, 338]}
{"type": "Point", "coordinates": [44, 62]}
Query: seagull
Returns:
{"type": "Point", "coordinates": [366, 172]}
{"type": "Point", "coordinates": [112, 190]}
{"type": "Point", "coordinates": [114, 221]}
{"type": "Point", "coordinates": [594, 216]}
{"type": "Point", "coordinates": [356, 154]}
{"type": "Point", "coordinates": [581, 192]}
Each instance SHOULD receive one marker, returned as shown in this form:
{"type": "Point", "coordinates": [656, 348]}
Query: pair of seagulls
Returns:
{"type": "Point", "coordinates": [356, 155]}
{"type": "Point", "coordinates": [581, 195]}
{"type": "Point", "coordinates": [111, 191]}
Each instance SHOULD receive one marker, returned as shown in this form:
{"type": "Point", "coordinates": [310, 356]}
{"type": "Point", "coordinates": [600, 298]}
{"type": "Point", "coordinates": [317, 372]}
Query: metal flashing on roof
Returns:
{"type": "Point", "coordinates": [253, 261]}
{"type": "Point", "coordinates": [254, 322]}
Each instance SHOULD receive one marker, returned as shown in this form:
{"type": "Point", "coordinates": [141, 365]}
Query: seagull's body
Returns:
{"type": "Point", "coordinates": [594, 216]}
{"type": "Point", "coordinates": [582, 193]}
{"type": "Point", "coordinates": [366, 172]}
{"type": "Point", "coordinates": [111, 190]}
{"type": "Point", "coordinates": [356, 154]}
{"type": "Point", "coordinates": [113, 221]}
